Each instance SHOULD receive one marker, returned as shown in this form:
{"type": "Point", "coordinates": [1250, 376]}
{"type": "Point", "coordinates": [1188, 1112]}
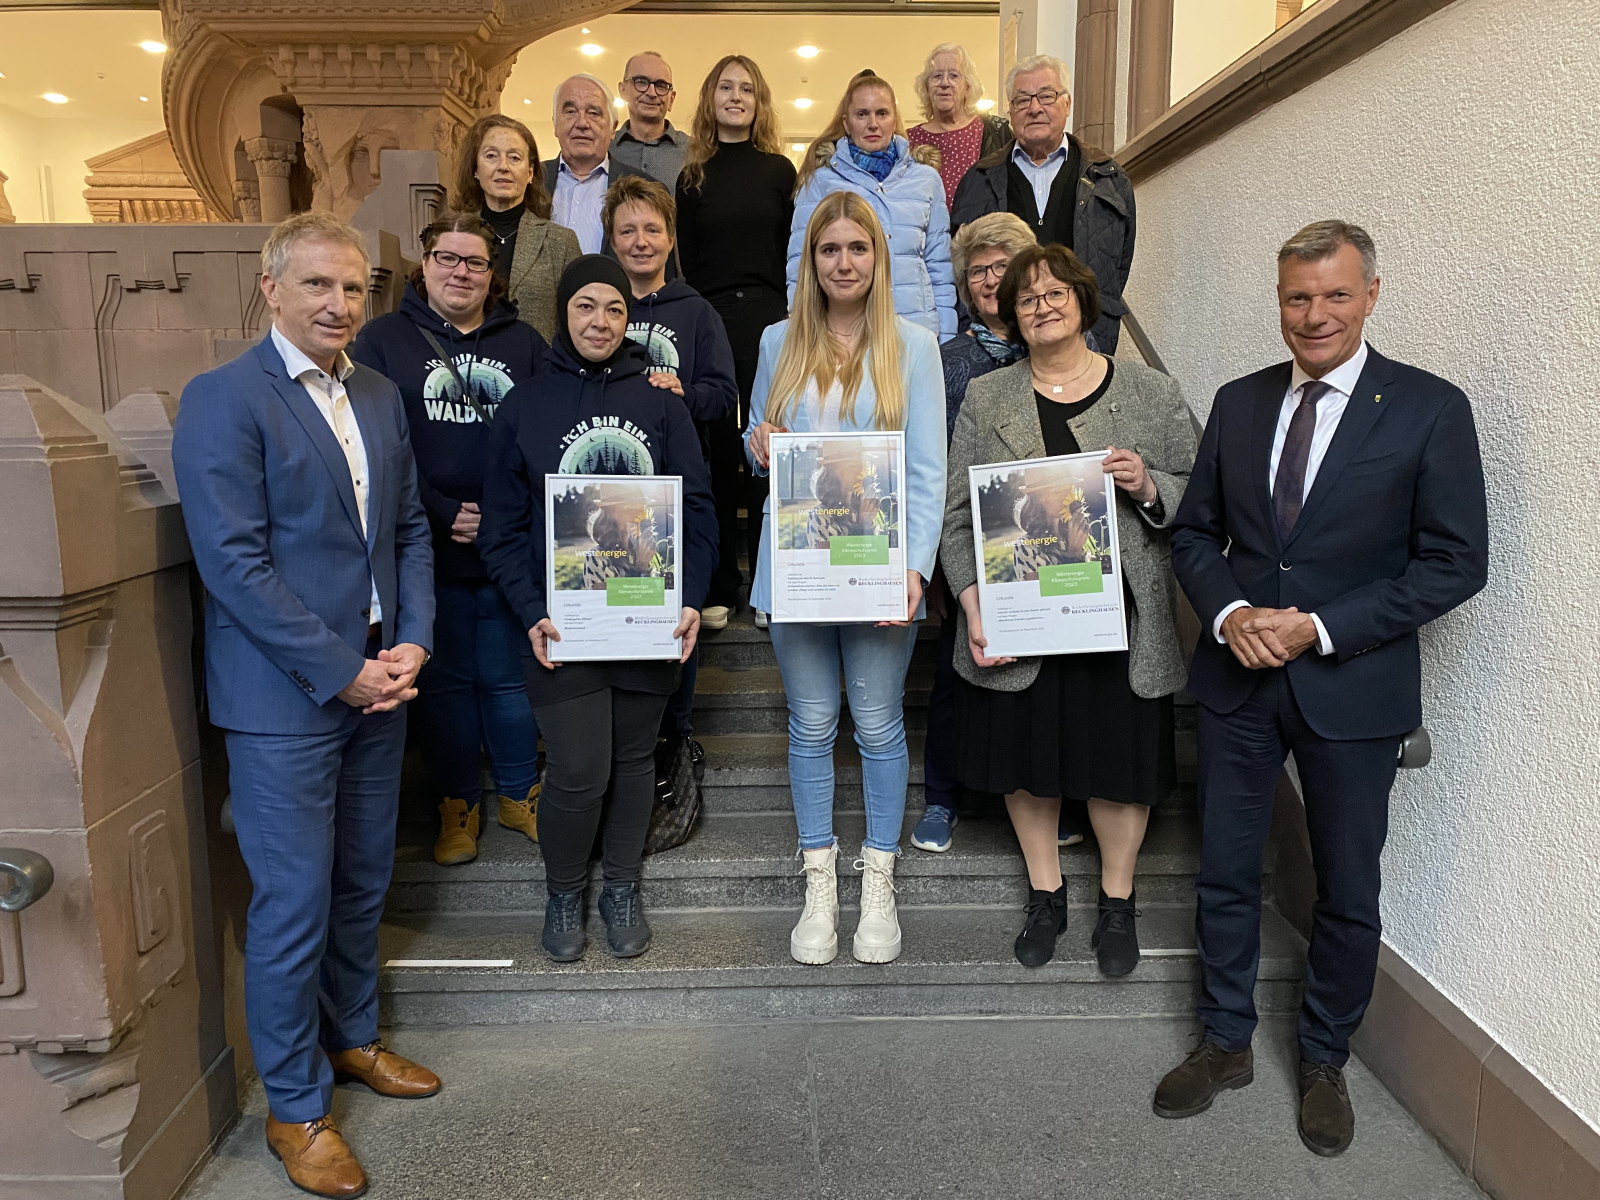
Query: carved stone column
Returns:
{"type": "Point", "coordinates": [1095, 74]}
{"type": "Point", "coordinates": [247, 194]}
{"type": "Point", "coordinates": [273, 159]}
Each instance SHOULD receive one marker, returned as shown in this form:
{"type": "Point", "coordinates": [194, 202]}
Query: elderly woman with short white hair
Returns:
{"type": "Point", "coordinates": [949, 90]}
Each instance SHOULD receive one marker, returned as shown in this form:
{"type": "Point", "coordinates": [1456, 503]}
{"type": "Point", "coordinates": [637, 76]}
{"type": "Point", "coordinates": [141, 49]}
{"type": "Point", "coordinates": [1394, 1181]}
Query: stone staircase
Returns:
{"type": "Point", "coordinates": [722, 904]}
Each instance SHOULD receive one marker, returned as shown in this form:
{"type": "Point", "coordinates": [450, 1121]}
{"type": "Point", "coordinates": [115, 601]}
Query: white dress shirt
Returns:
{"type": "Point", "coordinates": [1041, 176]}
{"type": "Point", "coordinates": [580, 204]}
{"type": "Point", "coordinates": [333, 402]}
{"type": "Point", "coordinates": [1341, 383]}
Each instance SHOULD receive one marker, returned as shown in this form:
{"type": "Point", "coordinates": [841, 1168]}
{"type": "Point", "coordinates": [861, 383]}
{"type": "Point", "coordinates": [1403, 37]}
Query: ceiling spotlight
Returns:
{"type": "Point", "coordinates": [984, 105]}
{"type": "Point", "coordinates": [54, 97]}
{"type": "Point", "coordinates": [527, 101]}
{"type": "Point", "coordinates": [591, 49]}
{"type": "Point", "coordinates": [803, 102]}
{"type": "Point", "coordinates": [145, 99]}
{"type": "Point", "coordinates": [618, 102]}
{"type": "Point", "coordinates": [797, 145]}
{"type": "Point", "coordinates": [153, 47]}
{"type": "Point", "coordinates": [585, 29]}
{"type": "Point", "coordinates": [806, 51]}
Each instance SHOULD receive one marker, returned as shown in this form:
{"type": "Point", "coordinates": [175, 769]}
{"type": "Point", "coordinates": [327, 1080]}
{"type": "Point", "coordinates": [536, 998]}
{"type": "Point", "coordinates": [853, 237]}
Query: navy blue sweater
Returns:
{"type": "Point", "coordinates": [575, 420]}
{"type": "Point", "coordinates": [683, 335]}
{"type": "Point", "coordinates": [448, 439]}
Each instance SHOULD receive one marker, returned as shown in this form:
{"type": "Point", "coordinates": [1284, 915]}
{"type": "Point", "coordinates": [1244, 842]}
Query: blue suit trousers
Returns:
{"type": "Point", "coordinates": [315, 815]}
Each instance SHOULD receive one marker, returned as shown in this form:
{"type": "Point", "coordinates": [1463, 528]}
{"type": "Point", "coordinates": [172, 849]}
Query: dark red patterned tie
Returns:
{"type": "Point", "coordinates": [1289, 488]}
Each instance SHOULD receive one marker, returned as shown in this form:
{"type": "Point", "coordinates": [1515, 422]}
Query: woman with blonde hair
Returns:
{"type": "Point", "coordinates": [949, 90]}
{"type": "Point", "coordinates": [864, 150]}
{"type": "Point", "coordinates": [735, 201]}
{"type": "Point", "coordinates": [498, 177]}
{"type": "Point", "coordinates": [844, 361]}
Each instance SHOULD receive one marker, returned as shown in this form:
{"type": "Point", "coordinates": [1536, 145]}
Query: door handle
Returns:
{"type": "Point", "coordinates": [28, 876]}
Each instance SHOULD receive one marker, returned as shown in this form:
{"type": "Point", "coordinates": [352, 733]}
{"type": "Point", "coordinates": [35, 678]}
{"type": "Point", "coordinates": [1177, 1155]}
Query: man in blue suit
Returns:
{"type": "Point", "coordinates": [300, 496]}
{"type": "Point", "coordinates": [1336, 506]}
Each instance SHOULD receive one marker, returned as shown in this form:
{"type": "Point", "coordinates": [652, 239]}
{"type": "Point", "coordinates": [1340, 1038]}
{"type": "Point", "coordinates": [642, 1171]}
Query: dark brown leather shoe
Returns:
{"type": "Point", "coordinates": [1327, 1122]}
{"type": "Point", "coordinates": [316, 1157]}
{"type": "Point", "coordinates": [1190, 1087]}
{"type": "Point", "coordinates": [384, 1071]}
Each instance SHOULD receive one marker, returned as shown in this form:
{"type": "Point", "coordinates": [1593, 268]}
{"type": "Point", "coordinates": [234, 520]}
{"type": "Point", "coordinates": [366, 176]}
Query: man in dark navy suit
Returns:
{"type": "Point", "coordinates": [1336, 506]}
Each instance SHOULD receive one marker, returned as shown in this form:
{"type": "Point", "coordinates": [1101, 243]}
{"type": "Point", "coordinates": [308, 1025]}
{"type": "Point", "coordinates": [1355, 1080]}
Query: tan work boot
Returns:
{"type": "Point", "coordinates": [522, 815]}
{"type": "Point", "coordinates": [316, 1157]}
{"type": "Point", "coordinates": [458, 833]}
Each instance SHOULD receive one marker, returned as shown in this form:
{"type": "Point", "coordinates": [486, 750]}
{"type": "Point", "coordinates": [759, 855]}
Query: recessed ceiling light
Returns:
{"type": "Point", "coordinates": [803, 102]}
{"type": "Point", "coordinates": [985, 104]}
{"type": "Point", "coordinates": [54, 97]}
{"type": "Point", "coordinates": [146, 99]}
{"type": "Point", "coordinates": [153, 47]}
{"type": "Point", "coordinates": [618, 102]}
{"type": "Point", "coordinates": [591, 49]}
{"type": "Point", "coordinates": [806, 51]}
{"type": "Point", "coordinates": [585, 29]}
{"type": "Point", "coordinates": [527, 101]}
{"type": "Point", "coordinates": [797, 145]}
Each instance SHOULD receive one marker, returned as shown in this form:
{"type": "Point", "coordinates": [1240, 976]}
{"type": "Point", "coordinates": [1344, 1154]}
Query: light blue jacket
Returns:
{"type": "Point", "coordinates": [910, 206]}
{"type": "Point", "coordinates": [925, 445]}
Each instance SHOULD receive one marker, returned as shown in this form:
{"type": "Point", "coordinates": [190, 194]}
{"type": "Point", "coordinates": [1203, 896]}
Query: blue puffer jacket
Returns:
{"type": "Point", "coordinates": [910, 207]}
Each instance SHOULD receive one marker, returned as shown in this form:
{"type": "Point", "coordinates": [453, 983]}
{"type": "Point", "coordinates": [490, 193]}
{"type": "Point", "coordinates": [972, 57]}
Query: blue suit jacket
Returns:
{"type": "Point", "coordinates": [1393, 534]}
{"type": "Point", "coordinates": [272, 517]}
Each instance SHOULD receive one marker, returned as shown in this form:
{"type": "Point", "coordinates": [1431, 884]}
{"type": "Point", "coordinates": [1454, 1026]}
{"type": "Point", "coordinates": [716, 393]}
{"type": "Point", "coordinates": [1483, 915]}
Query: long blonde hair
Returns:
{"type": "Point", "coordinates": [764, 134]}
{"type": "Point", "coordinates": [821, 149]}
{"type": "Point", "coordinates": [809, 352]}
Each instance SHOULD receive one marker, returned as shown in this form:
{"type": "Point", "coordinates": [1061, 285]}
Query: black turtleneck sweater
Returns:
{"type": "Point", "coordinates": [733, 230]}
{"type": "Point", "coordinates": [504, 226]}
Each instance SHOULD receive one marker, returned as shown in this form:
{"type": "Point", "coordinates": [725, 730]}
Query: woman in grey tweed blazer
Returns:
{"type": "Point", "coordinates": [1098, 726]}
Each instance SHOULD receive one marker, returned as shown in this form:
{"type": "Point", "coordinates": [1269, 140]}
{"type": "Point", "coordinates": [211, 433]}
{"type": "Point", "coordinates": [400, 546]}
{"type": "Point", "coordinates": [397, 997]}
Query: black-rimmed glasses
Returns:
{"type": "Point", "coordinates": [643, 83]}
{"type": "Point", "coordinates": [450, 261]}
{"type": "Point", "coordinates": [1023, 101]}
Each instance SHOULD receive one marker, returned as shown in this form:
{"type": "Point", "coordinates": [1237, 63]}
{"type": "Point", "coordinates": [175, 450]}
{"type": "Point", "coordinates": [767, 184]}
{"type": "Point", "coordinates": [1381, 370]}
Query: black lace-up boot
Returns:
{"type": "Point", "coordinates": [564, 939]}
{"type": "Point", "coordinates": [627, 932]}
{"type": "Point", "coordinates": [1045, 919]}
{"type": "Point", "coordinates": [1116, 936]}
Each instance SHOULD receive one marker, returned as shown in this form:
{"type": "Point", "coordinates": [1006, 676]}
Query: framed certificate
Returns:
{"type": "Point", "coordinates": [837, 549]}
{"type": "Point", "coordinates": [612, 573]}
{"type": "Point", "coordinates": [1049, 575]}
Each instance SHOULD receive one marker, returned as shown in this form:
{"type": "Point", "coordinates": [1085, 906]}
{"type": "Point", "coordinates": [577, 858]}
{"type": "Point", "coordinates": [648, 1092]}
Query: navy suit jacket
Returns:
{"type": "Point", "coordinates": [1393, 534]}
{"type": "Point", "coordinates": [272, 517]}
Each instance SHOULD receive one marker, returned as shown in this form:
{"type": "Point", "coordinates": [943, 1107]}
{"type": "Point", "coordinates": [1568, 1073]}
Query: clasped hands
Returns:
{"type": "Point", "coordinates": [386, 682]}
{"type": "Point", "coordinates": [1268, 637]}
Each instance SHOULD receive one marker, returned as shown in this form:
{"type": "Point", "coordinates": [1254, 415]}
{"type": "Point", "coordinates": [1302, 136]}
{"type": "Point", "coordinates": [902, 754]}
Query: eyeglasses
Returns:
{"type": "Point", "coordinates": [976, 275]}
{"type": "Point", "coordinates": [946, 77]}
{"type": "Point", "coordinates": [643, 83]}
{"type": "Point", "coordinates": [450, 261]}
{"type": "Point", "coordinates": [1054, 298]}
{"type": "Point", "coordinates": [1023, 101]}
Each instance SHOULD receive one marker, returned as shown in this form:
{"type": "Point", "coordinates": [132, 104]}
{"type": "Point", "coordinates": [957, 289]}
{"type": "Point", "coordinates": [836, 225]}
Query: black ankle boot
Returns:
{"type": "Point", "coordinates": [564, 939]}
{"type": "Point", "coordinates": [1046, 918]}
{"type": "Point", "coordinates": [1116, 936]}
{"type": "Point", "coordinates": [627, 932]}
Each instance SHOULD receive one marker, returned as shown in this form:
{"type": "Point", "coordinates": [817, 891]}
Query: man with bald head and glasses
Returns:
{"type": "Point", "coordinates": [647, 141]}
{"type": "Point", "coordinates": [1069, 194]}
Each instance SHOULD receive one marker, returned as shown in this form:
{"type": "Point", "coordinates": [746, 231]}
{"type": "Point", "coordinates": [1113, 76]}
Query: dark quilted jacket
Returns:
{"type": "Point", "coordinates": [1103, 229]}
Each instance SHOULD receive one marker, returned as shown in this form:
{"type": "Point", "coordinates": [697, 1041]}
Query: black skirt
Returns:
{"type": "Point", "coordinates": [1078, 731]}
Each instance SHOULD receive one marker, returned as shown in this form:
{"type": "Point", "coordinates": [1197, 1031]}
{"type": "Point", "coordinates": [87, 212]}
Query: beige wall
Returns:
{"type": "Point", "coordinates": [1207, 35]}
{"type": "Point", "coordinates": [62, 144]}
{"type": "Point", "coordinates": [1466, 146]}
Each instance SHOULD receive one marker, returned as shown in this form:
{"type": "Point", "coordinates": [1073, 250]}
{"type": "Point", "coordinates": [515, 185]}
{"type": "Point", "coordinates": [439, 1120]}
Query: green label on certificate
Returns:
{"type": "Point", "coordinates": [649, 591]}
{"type": "Point", "coordinates": [1068, 579]}
{"type": "Point", "coordinates": [869, 550]}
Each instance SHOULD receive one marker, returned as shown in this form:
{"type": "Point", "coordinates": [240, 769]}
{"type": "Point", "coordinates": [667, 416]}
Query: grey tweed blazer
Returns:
{"type": "Point", "coordinates": [543, 251]}
{"type": "Point", "coordinates": [1143, 410]}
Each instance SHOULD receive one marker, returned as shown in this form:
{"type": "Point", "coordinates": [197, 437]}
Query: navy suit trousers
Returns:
{"type": "Point", "coordinates": [315, 814]}
{"type": "Point", "coordinates": [1346, 786]}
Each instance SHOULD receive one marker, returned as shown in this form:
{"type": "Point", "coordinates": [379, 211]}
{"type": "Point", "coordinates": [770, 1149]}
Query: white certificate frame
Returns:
{"type": "Point", "coordinates": [626, 624]}
{"type": "Point", "coordinates": [807, 587]}
{"type": "Point", "coordinates": [1046, 606]}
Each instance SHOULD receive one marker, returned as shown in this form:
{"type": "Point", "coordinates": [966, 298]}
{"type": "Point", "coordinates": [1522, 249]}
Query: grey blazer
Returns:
{"type": "Point", "coordinates": [1143, 410]}
{"type": "Point", "coordinates": [543, 251]}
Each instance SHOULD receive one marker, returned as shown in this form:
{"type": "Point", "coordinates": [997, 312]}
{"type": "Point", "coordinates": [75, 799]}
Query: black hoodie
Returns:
{"type": "Point", "coordinates": [684, 335]}
{"type": "Point", "coordinates": [575, 419]}
{"type": "Point", "coordinates": [449, 440]}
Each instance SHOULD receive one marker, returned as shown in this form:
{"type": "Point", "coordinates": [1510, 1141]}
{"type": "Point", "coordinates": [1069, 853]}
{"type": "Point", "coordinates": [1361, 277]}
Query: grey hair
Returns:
{"type": "Point", "coordinates": [1036, 62]}
{"type": "Point", "coordinates": [1002, 230]}
{"type": "Point", "coordinates": [1322, 239]}
{"type": "Point", "coordinates": [555, 99]}
{"type": "Point", "coordinates": [315, 226]}
{"type": "Point", "coordinates": [969, 71]}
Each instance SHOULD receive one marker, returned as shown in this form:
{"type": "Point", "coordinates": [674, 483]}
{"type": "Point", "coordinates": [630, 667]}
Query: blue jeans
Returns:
{"type": "Point", "coordinates": [875, 661]}
{"type": "Point", "coordinates": [471, 694]}
{"type": "Point", "coordinates": [315, 814]}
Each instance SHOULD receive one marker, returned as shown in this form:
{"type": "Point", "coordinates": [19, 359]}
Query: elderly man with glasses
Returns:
{"type": "Point", "coordinates": [647, 141]}
{"type": "Point", "coordinates": [1068, 193]}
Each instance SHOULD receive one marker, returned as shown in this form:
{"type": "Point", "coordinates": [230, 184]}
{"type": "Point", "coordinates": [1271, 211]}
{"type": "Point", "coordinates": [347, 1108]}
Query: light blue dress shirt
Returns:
{"type": "Point", "coordinates": [1041, 176]}
{"type": "Point", "coordinates": [580, 204]}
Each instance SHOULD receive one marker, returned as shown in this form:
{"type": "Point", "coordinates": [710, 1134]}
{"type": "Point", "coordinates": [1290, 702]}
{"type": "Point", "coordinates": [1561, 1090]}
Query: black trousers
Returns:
{"type": "Point", "coordinates": [939, 752]}
{"type": "Point", "coordinates": [597, 744]}
{"type": "Point", "coordinates": [1346, 786]}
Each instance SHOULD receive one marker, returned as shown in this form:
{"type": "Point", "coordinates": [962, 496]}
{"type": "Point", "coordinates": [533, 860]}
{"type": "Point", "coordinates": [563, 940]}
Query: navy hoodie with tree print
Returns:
{"type": "Point", "coordinates": [684, 336]}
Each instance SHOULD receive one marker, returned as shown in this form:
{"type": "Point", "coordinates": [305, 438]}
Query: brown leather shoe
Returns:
{"type": "Point", "coordinates": [1327, 1122]}
{"type": "Point", "coordinates": [1190, 1087]}
{"type": "Point", "coordinates": [384, 1071]}
{"type": "Point", "coordinates": [316, 1157]}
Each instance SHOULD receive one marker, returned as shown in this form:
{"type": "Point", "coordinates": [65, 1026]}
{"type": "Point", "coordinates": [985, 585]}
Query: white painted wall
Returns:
{"type": "Point", "coordinates": [1466, 145]}
{"type": "Point", "coordinates": [61, 143]}
{"type": "Point", "coordinates": [1207, 35]}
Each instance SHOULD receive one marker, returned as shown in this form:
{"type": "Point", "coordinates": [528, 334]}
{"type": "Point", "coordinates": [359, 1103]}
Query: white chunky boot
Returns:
{"type": "Point", "coordinates": [816, 938]}
{"type": "Point", "coordinates": [878, 932]}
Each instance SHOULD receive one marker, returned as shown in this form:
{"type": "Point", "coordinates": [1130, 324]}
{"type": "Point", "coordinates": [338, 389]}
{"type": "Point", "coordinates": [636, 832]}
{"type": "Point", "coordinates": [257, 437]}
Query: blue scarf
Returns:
{"type": "Point", "coordinates": [1002, 351]}
{"type": "Point", "coordinates": [877, 163]}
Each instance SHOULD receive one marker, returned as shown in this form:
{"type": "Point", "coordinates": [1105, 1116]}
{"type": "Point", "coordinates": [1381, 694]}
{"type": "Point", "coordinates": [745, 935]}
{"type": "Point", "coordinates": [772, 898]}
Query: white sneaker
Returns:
{"type": "Point", "coordinates": [761, 619]}
{"type": "Point", "coordinates": [816, 938]}
{"type": "Point", "coordinates": [878, 931]}
{"type": "Point", "coordinates": [714, 616]}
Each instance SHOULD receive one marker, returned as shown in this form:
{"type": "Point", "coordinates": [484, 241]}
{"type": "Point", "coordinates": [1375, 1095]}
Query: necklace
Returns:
{"type": "Point", "coordinates": [1057, 388]}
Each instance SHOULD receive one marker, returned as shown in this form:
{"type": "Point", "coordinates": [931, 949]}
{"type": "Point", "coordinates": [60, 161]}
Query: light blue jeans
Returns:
{"type": "Point", "coordinates": [875, 660]}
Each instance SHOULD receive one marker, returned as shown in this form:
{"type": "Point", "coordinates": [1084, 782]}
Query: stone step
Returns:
{"type": "Point", "coordinates": [748, 860]}
{"type": "Point", "coordinates": [734, 965]}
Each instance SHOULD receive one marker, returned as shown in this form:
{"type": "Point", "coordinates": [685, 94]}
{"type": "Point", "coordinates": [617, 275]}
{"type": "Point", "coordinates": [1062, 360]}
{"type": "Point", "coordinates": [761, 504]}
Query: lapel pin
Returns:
{"type": "Point", "coordinates": [1378, 397]}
